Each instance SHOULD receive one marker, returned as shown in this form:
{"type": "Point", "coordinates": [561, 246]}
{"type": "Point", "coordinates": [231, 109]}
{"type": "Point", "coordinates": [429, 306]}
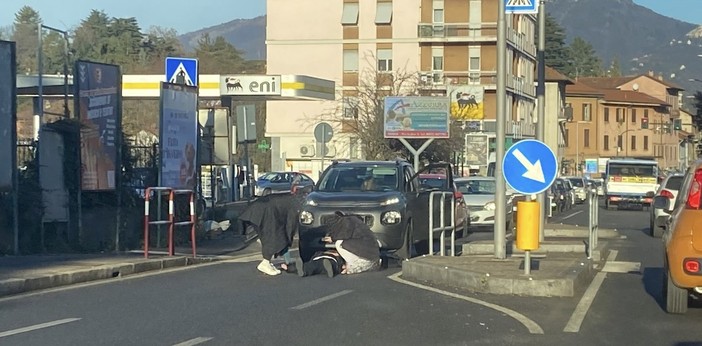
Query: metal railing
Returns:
{"type": "Point", "coordinates": [442, 227]}
{"type": "Point", "coordinates": [171, 221]}
{"type": "Point", "coordinates": [593, 223]}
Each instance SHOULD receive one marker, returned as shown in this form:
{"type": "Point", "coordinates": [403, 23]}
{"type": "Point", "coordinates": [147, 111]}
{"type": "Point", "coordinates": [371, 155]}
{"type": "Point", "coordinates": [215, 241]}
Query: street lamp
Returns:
{"type": "Point", "coordinates": [40, 84]}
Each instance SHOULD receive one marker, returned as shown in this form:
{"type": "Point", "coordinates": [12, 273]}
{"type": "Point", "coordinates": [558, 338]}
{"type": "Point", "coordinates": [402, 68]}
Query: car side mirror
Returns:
{"type": "Point", "coordinates": [661, 202]}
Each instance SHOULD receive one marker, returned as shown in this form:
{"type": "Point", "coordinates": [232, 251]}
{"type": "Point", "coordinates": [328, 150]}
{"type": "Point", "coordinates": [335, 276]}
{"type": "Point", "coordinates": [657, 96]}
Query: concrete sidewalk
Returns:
{"type": "Point", "coordinates": [560, 268]}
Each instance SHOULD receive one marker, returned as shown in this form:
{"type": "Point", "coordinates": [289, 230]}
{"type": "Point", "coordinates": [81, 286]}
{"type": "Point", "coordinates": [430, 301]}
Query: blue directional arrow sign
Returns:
{"type": "Point", "coordinates": [529, 166]}
{"type": "Point", "coordinates": [181, 71]}
{"type": "Point", "coordinates": [521, 6]}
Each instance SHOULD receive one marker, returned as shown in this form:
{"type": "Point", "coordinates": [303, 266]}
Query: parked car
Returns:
{"type": "Point", "coordinates": [385, 194]}
{"type": "Point", "coordinates": [565, 194]}
{"type": "Point", "coordinates": [557, 197]}
{"type": "Point", "coordinates": [439, 182]}
{"type": "Point", "coordinates": [579, 188]}
{"type": "Point", "coordinates": [281, 182]}
{"type": "Point", "coordinates": [682, 239]}
{"type": "Point", "coordinates": [571, 190]}
{"type": "Point", "coordinates": [479, 194]}
{"type": "Point", "coordinates": [668, 189]}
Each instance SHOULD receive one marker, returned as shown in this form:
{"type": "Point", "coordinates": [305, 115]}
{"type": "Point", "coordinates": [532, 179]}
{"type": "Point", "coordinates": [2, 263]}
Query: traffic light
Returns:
{"type": "Point", "coordinates": [644, 123]}
{"type": "Point", "coordinates": [677, 124]}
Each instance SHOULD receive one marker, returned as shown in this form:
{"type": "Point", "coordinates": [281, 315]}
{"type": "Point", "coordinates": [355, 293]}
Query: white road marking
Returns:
{"type": "Point", "coordinates": [578, 316]}
{"type": "Point", "coordinates": [192, 342]}
{"type": "Point", "coordinates": [571, 215]}
{"type": "Point", "coordinates": [622, 267]}
{"type": "Point", "coordinates": [532, 326]}
{"type": "Point", "coordinates": [321, 300]}
{"type": "Point", "coordinates": [38, 326]}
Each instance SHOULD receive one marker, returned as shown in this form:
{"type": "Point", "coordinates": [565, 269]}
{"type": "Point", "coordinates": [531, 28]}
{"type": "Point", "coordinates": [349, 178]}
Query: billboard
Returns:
{"type": "Point", "coordinates": [416, 117]}
{"type": "Point", "coordinates": [99, 107]}
{"type": "Point", "coordinates": [467, 102]}
{"type": "Point", "coordinates": [178, 136]}
{"type": "Point", "coordinates": [8, 114]}
{"type": "Point", "coordinates": [476, 150]}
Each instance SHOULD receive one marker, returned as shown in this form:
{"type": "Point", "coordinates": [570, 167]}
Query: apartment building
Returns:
{"type": "Point", "coordinates": [622, 117]}
{"type": "Point", "coordinates": [449, 45]}
{"type": "Point", "coordinates": [555, 117]}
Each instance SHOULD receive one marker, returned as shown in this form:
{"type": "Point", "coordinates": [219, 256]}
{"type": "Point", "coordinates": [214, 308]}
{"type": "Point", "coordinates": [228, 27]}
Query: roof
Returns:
{"type": "Point", "coordinates": [628, 96]}
{"type": "Point", "coordinates": [552, 75]}
{"type": "Point", "coordinates": [606, 82]}
{"type": "Point", "coordinates": [632, 161]}
{"type": "Point", "coordinates": [579, 88]}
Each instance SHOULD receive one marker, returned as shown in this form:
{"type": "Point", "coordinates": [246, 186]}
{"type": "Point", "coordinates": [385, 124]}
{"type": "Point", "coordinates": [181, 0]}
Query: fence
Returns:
{"type": "Point", "coordinates": [594, 217]}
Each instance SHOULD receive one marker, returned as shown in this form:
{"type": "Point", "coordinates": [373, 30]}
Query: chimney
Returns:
{"type": "Point", "coordinates": [660, 76]}
{"type": "Point", "coordinates": [650, 73]}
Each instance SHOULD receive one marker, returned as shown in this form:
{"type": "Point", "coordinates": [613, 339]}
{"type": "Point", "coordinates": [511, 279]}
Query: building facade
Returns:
{"type": "Point", "coordinates": [449, 45]}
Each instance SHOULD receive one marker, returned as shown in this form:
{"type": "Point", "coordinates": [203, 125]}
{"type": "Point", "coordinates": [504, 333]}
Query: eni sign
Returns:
{"type": "Point", "coordinates": [250, 85]}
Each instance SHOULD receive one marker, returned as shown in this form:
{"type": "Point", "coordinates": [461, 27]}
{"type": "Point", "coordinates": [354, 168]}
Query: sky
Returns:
{"type": "Point", "coordinates": [184, 17]}
{"type": "Point", "coordinates": [181, 15]}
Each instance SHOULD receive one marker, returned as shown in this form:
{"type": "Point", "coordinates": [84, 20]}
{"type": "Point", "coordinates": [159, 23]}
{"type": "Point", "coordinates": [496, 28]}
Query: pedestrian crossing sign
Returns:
{"type": "Point", "coordinates": [181, 71]}
{"type": "Point", "coordinates": [521, 6]}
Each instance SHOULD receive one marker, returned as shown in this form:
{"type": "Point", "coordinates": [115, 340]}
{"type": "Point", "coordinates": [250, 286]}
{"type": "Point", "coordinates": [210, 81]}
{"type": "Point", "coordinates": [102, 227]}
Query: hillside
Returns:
{"type": "Point", "coordinates": [247, 35]}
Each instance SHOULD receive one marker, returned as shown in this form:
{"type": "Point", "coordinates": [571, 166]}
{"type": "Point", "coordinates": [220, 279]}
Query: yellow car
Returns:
{"type": "Point", "coordinates": [683, 242]}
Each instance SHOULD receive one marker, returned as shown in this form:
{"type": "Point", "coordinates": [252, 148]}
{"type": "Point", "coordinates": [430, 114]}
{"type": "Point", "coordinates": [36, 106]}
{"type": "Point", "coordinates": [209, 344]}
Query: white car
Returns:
{"type": "Point", "coordinates": [479, 195]}
{"type": "Point", "coordinates": [579, 188]}
{"type": "Point", "coordinates": [668, 188]}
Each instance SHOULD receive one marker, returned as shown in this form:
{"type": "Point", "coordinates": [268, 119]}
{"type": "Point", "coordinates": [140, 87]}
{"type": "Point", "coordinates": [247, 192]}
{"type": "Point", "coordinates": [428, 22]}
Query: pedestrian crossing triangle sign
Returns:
{"type": "Point", "coordinates": [181, 71]}
{"type": "Point", "coordinates": [521, 6]}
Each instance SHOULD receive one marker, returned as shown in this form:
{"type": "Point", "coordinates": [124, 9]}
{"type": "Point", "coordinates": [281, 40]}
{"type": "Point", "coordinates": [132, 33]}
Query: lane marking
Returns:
{"type": "Point", "coordinates": [195, 341]}
{"type": "Point", "coordinates": [321, 300]}
{"type": "Point", "coordinates": [622, 267]}
{"type": "Point", "coordinates": [532, 326]}
{"type": "Point", "coordinates": [578, 316]}
{"type": "Point", "coordinates": [571, 215]}
{"type": "Point", "coordinates": [38, 326]}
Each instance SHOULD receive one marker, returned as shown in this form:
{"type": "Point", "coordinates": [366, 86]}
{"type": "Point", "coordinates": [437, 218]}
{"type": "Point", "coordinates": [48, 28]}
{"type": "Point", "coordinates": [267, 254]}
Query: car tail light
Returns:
{"type": "Point", "coordinates": [691, 265]}
{"type": "Point", "coordinates": [693, 196]}
{"type": "Point", "coordinates": [667, 194]}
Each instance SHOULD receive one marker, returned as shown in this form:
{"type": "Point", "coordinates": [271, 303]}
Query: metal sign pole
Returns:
{"type": "Point", "coordinates": [541, 111]}
{"type": "Point", "coordinates": [416, 152]}
{"type": "Point", "coordinates": [501, 189]}
{"type": "Point", "coordinates": [247, 178]}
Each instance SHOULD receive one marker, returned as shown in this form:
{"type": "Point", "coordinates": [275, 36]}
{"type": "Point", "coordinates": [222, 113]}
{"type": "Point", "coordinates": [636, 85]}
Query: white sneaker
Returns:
{"type": "Point", "coordinates": [267, 268]}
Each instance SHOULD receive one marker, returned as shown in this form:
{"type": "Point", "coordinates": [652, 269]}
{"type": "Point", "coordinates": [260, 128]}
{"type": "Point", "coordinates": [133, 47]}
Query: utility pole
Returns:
{"type": "Point", "coordinates": [500, 188]}
{"type": "Point", "coordinates": [540, 99]}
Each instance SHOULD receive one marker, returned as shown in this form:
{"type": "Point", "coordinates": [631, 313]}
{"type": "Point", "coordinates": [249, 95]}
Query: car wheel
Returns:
{"type": "Point", "coordinates": [407, 249]}
{"type": "Point", "coordinates": [676, 298]}
{"type": "Point", "coordinates": [266, 192]}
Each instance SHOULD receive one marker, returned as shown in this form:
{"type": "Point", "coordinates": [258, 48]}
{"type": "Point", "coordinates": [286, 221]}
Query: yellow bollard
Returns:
{"type": "Point", "coordinates": [528, 225]}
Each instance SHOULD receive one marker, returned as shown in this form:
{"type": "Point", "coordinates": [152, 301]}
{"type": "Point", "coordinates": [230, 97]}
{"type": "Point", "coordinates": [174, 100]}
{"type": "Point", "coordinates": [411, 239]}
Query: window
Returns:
{"type": "Point", "coordinates": [645, 113]}
{"type": "Point", "coordinates": [620, 115]}
{"type": "Point", "coordinates": [384, 59]}
{"type": "Point", "coordinates": [645, 143]}
{"type": "Point", "coordinates": [620, 141]}
{"type": "Point", "coordinates": [587, 116]}
{"type": "Point", "coordinates": [350, 60]}
{"type": "Point", "coordinates": [606, 114]}
{"type": "Point", "coordinates": [606, 142]}
{"type": "Point", "coordinates": [567, 137]}
{"type": "Point", "coordinates": [350, 108]}
{"type": "Point", "coordinates": [350, 14]}
{"type": "Point", "coordinates": [586, 136]}
{"type": "Point", "coordinates": [353, 148]}
{"type": "Point", "coordinates": [474, 63]}
{"type": "Point", "coordinates": [633, 142]}
{"type": "Point", "coordinates": [383, 13]}
{"type": "Point", "coordinates": [438, 6]}
{"type": "Point", "coordinates": [633, 115]}
{"type": "Point", "coordinates": [437, 63]}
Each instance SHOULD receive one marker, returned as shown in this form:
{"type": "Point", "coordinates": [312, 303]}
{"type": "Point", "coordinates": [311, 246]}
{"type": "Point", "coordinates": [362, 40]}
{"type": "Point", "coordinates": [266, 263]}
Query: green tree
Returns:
{"type": "Point", "coordinates": [90, 41]}
{"type": "Point", "coordinates": [24, 32]}
{"type": "Point", "coordinates": [583, 59]}
{"type": "Point", "coordinates": [218, 56]}
{"type": "Point", "coordinates": [556, 54]}
{"type": "Point", "coordinates": [615, 69]}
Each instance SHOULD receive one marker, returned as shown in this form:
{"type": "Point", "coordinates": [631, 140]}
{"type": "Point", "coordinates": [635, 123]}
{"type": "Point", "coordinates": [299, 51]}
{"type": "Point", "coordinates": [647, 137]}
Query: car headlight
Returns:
{"type": "Point", "coordinates": [391, 217]}
{"type": "Point", "coordinates": [489, 206]}
{"type": "Point", "coordinates": [311, 202]}
{"type": "Point", "coordinates": [390, 201]}
{"type": "Point", "coordinates": [306, 218]}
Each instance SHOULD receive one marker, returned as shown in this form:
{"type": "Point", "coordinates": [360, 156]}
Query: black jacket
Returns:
{"type": "Point", "coordinates": [275, 218]}
{"type": "Point", "coordinates": [357, 236]}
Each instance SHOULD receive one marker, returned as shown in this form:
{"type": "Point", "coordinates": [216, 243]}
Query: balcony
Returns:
{"type": "Point", "coordinates": [519, 85]}
{"type": "Point", "coordinates": [457, 32]}
{"type": "Point", "coordinates": [439, 79]}
{"type": "Point", "coordinates": [514, 129]}
{"type": "Point", "coordinates": [520, 42]}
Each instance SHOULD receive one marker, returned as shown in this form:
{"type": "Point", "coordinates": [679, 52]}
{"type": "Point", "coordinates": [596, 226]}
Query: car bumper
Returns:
{"type": "Point", "coordinates": [679, 249]}
{"type": "Point", "coordinates": [628, 200]}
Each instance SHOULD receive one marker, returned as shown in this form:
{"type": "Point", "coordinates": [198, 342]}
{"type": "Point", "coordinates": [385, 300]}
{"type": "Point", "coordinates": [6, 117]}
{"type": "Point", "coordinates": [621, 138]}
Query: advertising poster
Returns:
{"type": "Point", "coordinates": [416, 117]}
{"type": "Point", "coordinates": [467, 102]}
{"type": "Point", "coordinates": [476, 150]}
{"type": "Point", "coordinates": [591, 166]}
{"type": "Point", "coordinates": [8, 113]}
{"type": "Point", "coordinates": [99, 107]}
{"type": "Point", "coordinates": [178, 136]}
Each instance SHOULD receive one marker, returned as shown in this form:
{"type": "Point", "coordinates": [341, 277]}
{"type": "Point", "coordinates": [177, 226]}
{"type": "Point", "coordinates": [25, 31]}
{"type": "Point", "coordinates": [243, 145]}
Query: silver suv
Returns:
{"type": "Point", "coordinates": [579, 188]}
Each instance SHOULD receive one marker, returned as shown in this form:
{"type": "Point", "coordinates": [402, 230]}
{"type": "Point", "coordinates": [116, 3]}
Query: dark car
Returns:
{"type": "Point", "coordinates": [281, 182]}
{"type": "Point", "coordinates": [385, 194]}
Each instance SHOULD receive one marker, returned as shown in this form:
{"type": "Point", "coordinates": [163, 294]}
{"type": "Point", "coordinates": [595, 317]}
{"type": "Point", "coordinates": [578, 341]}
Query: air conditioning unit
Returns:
{"type": "Point", "coordinates": [331, 151]}
{"type": "Point", "coordinates": [307, 150]}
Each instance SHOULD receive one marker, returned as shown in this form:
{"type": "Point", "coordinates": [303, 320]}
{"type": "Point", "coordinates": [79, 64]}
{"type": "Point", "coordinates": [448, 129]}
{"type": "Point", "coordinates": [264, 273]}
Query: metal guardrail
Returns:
{"type": "Point", "coordinates": [442, 227]}
{"type": "Point", "coordinates": [594, 220]}
{"type": "Point", "coordinates": [171, 221]}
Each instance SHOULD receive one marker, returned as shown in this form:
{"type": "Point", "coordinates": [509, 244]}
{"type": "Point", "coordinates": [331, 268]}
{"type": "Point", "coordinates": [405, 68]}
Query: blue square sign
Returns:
{"type": "Point", "coordinates": [181, 71]}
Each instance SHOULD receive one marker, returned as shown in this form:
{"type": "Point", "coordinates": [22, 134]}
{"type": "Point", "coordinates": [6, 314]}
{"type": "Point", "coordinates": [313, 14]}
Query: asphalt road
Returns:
{"type": "Point", "coordinates": [232, 304]}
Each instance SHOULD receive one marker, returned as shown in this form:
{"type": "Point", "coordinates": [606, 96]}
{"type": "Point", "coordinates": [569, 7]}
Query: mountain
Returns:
{"type": "Point", "coordinates": [247, 35]}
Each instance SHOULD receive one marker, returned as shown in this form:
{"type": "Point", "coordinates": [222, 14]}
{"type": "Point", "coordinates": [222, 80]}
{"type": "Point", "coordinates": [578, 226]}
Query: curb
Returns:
{"type": "Point", "coordinates": [571, 246]}
{"type": "Point", "coordinates": [22, 285]}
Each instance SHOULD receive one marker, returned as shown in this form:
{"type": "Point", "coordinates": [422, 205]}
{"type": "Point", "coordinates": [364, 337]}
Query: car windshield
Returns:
{"type": "Point", "coordinates": [372, 178]}
{"type": "Point", "coordinates": [476, 187]}
{"type": "Point", "coordinates": [674, 183]}
{"type": "Point", "coordinates": [577, 182]}
{"type": "Point", "coordinates": [432, 182]}
{"type": "Point", "coordinates": [632, 170]}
